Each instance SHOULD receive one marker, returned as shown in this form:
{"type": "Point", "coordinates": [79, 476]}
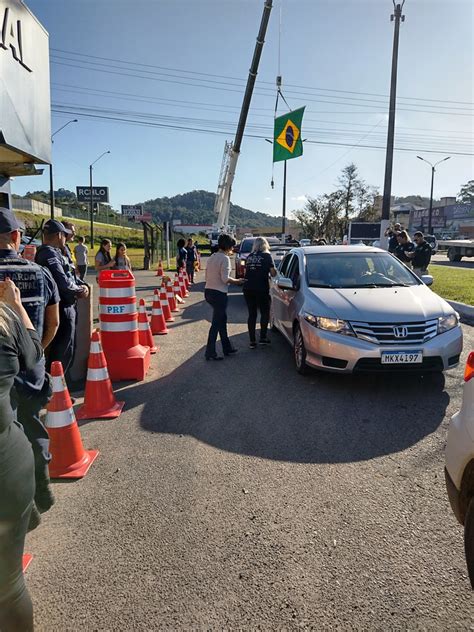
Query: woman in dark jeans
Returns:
{"type": "Point", "coordinates": [20, 348]}
{"type": "Point", "coordinates": [258, 266]}
{"type": "Point", "coordinates": [218, 280]}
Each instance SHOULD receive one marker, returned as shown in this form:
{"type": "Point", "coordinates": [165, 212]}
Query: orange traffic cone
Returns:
{"type": "Point", "coordinates": [182, 283]}
{"type": "Point", "coordinates": [27, 559]}
{"type": "Point", "coordinates": [172, 297]}
{"type": "Point", "coordinates": [178, 289]}
{"type": "Point", "coordinates": [99, 399]}
{"type": "Point", "coordinates": [165, 306]}
{"type": "Point", "coordinates": [69, 459]}
{"type": "Point", "coordinates": [158, 324]}
{"type": "Point", "coordinates": [187, 280]}
{"type": "Point", "coordinates": [145, 336]}
{"type": "Point", "coordinates": [159, 269]}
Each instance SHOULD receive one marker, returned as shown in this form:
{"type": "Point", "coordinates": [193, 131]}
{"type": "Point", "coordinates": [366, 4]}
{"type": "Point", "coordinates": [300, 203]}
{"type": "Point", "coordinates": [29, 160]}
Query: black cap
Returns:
{"type": "Point", "coordinates": [53, 226]}
{"type": "Point", "coordinates": [8, 221]}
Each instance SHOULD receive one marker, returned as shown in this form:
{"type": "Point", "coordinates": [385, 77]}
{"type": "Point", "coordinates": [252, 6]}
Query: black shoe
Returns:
{"type": "Point", "coordinates": [35, 518]}
{"type": "Point", "coordinates": [253, 345]}
{"type": "Point", "coordinates": [264, 341]}
{"type": "Point", "coordinates": [214, 357]}
{"type": "Point", "coordinates": [230, 352]}
{"type": "Point", "coordinates": [44, 497]}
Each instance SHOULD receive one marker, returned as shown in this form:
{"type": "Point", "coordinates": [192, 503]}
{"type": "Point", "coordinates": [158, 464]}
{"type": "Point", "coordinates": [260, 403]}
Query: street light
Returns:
{"type": "Point", "coordinates": [433, 169]}
{"type": "Point", "coordinates": [51, 184]}
{"type": "Point", "coordinates": [91, 196]}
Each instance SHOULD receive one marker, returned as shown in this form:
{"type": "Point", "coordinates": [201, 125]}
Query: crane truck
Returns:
{"type": "Point", "coordinates": [232, 149]}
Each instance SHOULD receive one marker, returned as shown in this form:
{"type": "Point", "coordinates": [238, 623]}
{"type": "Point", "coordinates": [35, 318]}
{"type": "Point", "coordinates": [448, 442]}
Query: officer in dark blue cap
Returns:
{"type": "Point", "coordinates": [50, 255]}
{"type": "Point", "coordinates": [40, 298]}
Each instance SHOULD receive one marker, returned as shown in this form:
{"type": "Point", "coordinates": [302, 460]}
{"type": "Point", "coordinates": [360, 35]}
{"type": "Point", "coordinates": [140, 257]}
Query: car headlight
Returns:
{"type": "Point", "coordinates": [329, 324]}
{"type": "Point", "coordinates": [445, 323]}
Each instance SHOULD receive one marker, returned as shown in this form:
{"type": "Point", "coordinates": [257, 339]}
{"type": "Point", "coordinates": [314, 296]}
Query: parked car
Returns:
{"type": "Point", "coordinates": [459, 470]}
{"type": "Point", "coordinates": [433, 242]}
{"type": "Point", "coordinates": [357, 308]}
{"type": "Point", "coordinates": [278, 253]}
{"type": "Point", "coordinates": [305, 242]}
{"type": "Point", "coordinates": [245, 249]}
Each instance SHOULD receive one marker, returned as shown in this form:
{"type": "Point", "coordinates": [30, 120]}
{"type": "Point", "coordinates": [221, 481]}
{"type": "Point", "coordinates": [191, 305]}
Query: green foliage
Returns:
{"type": "Point", "coordinates": [466, 194]}
{"type": "Point", "coordinates": [197, 207]}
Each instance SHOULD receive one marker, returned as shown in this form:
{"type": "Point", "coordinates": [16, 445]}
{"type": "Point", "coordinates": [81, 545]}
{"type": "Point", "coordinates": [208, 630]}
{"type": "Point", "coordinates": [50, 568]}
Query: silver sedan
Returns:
{"type": "Point", "coordinates": [355, 308]}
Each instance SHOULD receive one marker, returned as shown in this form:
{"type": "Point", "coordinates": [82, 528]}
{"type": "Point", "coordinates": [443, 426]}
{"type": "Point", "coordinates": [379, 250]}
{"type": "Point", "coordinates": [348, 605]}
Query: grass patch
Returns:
{"type": "Point", "coordinates": [453, 284]}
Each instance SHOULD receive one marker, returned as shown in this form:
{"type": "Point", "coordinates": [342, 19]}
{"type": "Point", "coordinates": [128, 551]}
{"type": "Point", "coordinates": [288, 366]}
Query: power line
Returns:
{"type": "Point", "coordinates": [189, 128]}
{"type": "Point", "coordinates": [204, 74]}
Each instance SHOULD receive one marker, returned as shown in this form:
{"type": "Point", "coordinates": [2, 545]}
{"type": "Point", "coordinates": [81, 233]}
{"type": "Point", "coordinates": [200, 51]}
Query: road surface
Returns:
{"type": "Point", "coordinates": [241, 495]}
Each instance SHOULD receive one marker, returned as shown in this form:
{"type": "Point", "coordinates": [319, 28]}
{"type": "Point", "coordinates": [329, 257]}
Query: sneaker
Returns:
{"type": "Point", "coordinates": [264, 341]}
{"type": "Point", "coordinates": [253, 345]}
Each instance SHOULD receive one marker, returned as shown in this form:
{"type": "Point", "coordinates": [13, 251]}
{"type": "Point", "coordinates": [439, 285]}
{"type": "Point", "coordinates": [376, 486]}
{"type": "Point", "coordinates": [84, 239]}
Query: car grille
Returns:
{"type": "Point", "coordinates": [396, 333]}
{"type": "Point", "coordinates": [434, 363]}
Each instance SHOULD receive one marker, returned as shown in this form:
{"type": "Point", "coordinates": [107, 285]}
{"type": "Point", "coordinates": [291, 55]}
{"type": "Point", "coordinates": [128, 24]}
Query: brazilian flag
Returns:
{"type": "Point", "coordinates": [287, 141]}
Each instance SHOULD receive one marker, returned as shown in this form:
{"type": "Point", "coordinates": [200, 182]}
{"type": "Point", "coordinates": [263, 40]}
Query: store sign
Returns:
{"type": "Point", "coordinates": [25, 118]}
{"type": "Point", "coordinates": [129, 210]}
{"type": "Point", "coordinates": [99, 194]}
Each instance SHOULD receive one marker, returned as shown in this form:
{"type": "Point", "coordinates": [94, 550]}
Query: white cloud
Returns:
{"type": "Point", "coordinates": [267, 199]}
{"type": "Point", "coordinates": [300, 198]}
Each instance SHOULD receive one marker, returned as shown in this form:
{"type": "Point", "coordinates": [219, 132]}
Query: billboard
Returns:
{"type": "Point", "coordinates": [129, 210]}
{"type": "Point", "coordinates": [25, 122]}
{"type": "Point", "coordinates": [99, 194]}
{"type": "Point", "coordinates": [450, 220]}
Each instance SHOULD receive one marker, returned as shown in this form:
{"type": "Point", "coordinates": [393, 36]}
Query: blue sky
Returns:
{"type": "Point", "coordinates": [338, 53]}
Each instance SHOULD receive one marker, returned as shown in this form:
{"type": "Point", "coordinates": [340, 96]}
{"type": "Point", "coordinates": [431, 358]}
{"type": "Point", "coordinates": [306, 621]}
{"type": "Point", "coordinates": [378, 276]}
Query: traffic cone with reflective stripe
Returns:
{"type": "Point", "coordinates": [68, 457]}
{"type": "Point", "coordinates": [178, 289]}
{"type": "Point", "coordinates": [27, 559]}
{"type": "Point", "coordinates": [159, 269]}
{"type": "Point", "coordinates": [99, 399]}
{"type": "Point", "coordinates": [158, 324]}
{"type": "Point", "coordinates": [165, 306]}
{"type": "Point", "coordinates": [174, 290]}
{"type": "Point", "coordinates": [187, 280]}
{"type": "Point", "coordinates": [170, 296]}
{"type": "Point", "coordinates": [182, 284]}
{"type": "Point", "coordinates": [144, 332]}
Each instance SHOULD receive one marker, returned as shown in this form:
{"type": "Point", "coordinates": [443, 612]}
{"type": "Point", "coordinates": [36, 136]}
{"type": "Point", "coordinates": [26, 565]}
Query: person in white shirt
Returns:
{"type": "Point", "coordinates": [218, 280]}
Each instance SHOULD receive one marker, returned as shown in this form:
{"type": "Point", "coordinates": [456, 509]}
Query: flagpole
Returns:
{"type": "Point", "coordinates": [283, 221]}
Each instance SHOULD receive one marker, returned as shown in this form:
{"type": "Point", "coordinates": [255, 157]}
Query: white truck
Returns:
{"type": "Point", "coordinates": [457, 248]}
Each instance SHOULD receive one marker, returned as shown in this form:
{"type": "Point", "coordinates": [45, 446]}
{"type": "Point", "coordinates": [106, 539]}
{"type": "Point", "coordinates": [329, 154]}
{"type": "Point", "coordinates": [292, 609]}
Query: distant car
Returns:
{"type": "Point", "coordinates": [278, 252]}
{"type": "Point", "coordinates": [245, 249]}
{"type": "Point", "coordinates": [459, 470]}
{"type": "Point", "coordinates": [305, 242]}
{"type": "Point", "coordinates": [357, 308]}
{"type": "Point", "coordinates": [433, 242]}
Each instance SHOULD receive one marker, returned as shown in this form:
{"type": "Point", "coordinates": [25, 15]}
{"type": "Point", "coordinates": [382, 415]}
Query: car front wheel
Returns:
{"type": "Point", "coordinates": [469, 540]}
{"type": "Point", "coordinates": [300, 351]}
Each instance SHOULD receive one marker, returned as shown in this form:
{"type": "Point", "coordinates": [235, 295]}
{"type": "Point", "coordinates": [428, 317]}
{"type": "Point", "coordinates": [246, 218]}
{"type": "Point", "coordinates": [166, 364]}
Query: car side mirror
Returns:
{"type": "Point", "coordinates": [427, 279]}
{"type": "Point", "coordinates": [285, 284]}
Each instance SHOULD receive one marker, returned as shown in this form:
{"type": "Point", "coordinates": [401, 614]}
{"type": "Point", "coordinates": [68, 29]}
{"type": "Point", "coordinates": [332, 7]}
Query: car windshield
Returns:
{"type": "Point", "coordinates": [357, 270]}
{"type": "Point", "coordinates": [246, 245]}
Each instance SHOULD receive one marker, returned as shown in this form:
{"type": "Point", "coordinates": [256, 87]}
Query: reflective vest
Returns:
{"type": "Point", "coordinates": [29, 279]}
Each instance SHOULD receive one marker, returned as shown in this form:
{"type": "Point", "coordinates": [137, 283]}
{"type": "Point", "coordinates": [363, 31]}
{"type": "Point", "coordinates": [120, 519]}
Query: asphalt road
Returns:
{"type": "Point", "coordinates": [241, 495]}
{"type": "Point", "coordinates": [442, 260]}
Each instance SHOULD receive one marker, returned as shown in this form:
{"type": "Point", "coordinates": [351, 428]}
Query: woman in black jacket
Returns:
{"type": "Point", "coordinates": [20, 348]}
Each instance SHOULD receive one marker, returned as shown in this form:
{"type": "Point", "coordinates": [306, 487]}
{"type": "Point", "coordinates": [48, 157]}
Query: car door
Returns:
{"type": "Point", "coordinates": [288, 296]}
{"type": "Point", "coordinates": [277, 293]}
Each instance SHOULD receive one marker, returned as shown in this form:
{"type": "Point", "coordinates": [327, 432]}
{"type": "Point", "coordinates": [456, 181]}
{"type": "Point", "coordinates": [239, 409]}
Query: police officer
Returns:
{"type": "Point", "coordinates": [392, 233]}
{"type": "Point", "coordinates": [421, 256]}
{"type": "Point", "coordinates": [50, 255]}
{"type": "Point", "coordinates": [40, 298]}
{"type": "Point", "coordinates": [404, 247]}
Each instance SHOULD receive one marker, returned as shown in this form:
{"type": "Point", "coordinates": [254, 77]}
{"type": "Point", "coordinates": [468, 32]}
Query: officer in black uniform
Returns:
{"type": "Point", "coordinates": [421, 256]}
{"type": "Point", "coordinates": [50, 255]}
{"type": "Point", "coordinates": [40, 298]}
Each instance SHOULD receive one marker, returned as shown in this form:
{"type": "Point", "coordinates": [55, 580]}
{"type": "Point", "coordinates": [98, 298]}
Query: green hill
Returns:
{"type": "Point", "coordinates": [197, 207]}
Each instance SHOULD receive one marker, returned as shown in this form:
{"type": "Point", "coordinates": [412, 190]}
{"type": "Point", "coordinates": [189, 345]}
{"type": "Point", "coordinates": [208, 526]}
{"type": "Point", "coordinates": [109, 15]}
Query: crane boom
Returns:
{"type": "Point", "coordinates": [232, 150]}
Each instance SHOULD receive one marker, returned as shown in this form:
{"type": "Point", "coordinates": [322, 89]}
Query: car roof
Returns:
{"type": "Point", "coordinates": [310, 250]}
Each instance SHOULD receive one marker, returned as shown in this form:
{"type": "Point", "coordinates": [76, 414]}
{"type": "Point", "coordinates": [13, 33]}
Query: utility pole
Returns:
{"type": "Point", "coordinates": [51, 179]}
{"type": "Point", "coordinates": [91, 197]}
{"type": "Point", "coordinates": [433, 169]}
{"type": "Point", "coordinates": [397, 17]}
{"type": "Point", "coordinates": [283, 221]}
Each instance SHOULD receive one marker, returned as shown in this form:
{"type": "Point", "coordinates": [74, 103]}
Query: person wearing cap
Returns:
{"type": "Point", "coordinates": [50, 255]}
{"type": "Point", "coordinates": [40, 298]}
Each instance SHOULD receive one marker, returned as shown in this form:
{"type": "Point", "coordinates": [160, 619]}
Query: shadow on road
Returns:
{"type": "Point", "coordinates": [255, 404]}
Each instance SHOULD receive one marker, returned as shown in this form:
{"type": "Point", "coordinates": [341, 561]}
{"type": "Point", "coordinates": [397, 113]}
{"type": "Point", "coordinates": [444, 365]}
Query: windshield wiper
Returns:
{"type": "Point", "coordinates": [320, 285]}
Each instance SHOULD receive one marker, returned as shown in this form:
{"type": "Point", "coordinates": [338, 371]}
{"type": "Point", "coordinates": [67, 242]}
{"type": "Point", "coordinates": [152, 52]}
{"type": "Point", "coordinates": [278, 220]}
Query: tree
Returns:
{"type": "Point", "coordinates": [466, 194]}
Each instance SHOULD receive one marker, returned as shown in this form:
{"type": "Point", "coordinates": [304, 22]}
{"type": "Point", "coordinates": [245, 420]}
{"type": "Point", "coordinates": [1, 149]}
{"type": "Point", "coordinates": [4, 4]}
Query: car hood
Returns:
{"type": "Point", "coordinates": [378, 304]}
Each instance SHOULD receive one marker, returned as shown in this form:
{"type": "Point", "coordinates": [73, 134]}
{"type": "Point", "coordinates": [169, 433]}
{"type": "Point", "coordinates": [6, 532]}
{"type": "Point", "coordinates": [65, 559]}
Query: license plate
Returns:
{"type": "Point", "coordinates": [402, 357]}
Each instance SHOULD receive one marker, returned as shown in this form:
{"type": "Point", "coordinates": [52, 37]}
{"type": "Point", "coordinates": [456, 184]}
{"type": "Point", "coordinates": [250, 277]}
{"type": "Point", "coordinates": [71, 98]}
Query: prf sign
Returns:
{"type": "Point", "coordinates": [12, 36]}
